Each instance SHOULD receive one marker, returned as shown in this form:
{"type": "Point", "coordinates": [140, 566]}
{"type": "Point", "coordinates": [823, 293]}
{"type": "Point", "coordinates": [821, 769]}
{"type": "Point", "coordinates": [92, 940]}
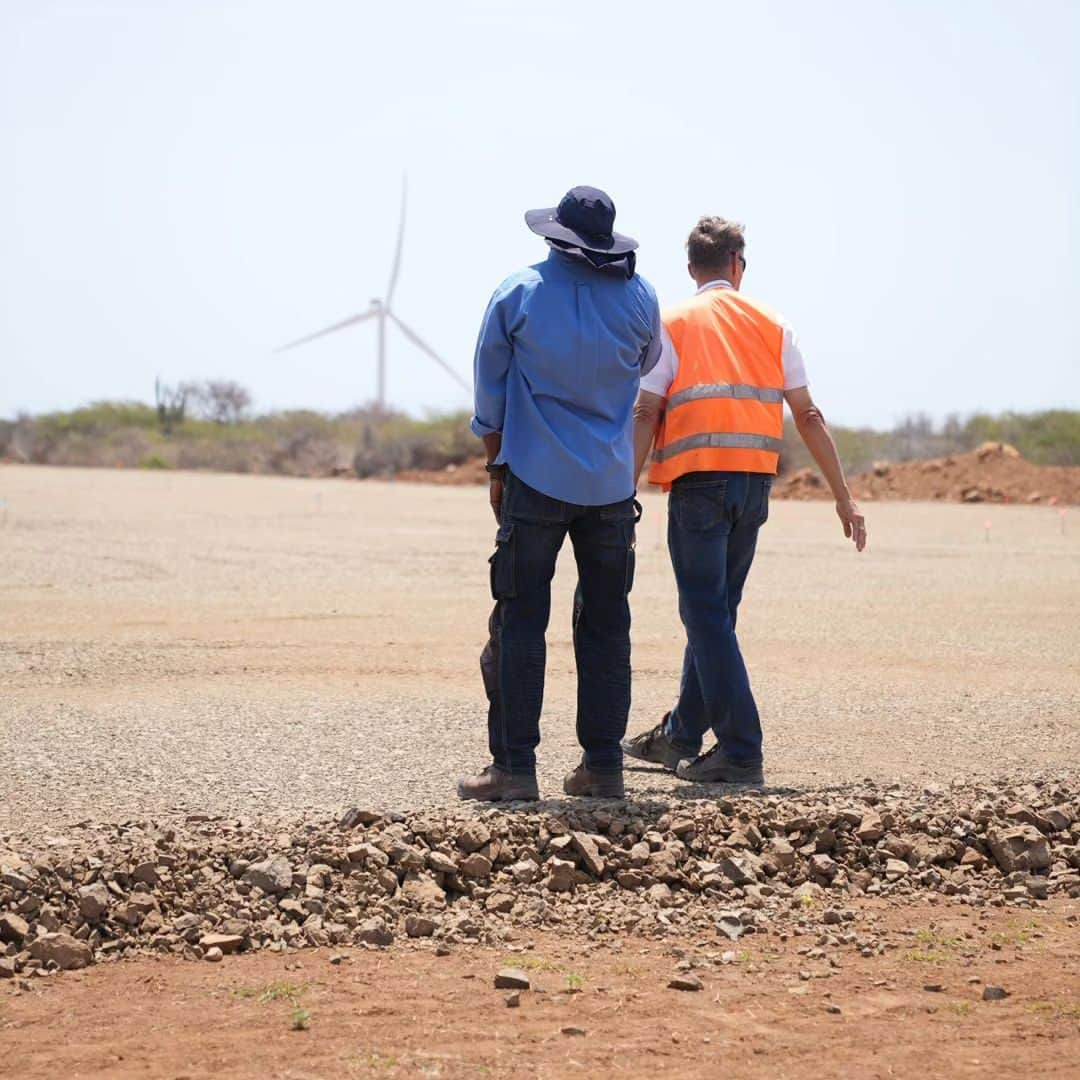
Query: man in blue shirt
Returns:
{"type": "Point", "coordinates": [562, 348]}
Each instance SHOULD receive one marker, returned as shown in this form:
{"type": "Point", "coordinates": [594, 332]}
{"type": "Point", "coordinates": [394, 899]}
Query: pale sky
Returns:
{"type": "Point", "coordinates": [185, 185]}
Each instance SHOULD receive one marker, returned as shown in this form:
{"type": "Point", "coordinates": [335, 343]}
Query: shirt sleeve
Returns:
{"type": "Point", "coordinates": [491, 365]}
{"type": "Point", "coordinates": [792, 357]}
{"type": "Point", "coordinates": [659, 379]}
{"type": "Point", "coordinates": [653, 350]}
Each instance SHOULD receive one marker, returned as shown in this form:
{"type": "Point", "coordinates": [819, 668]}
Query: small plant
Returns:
{"type": "Point", "coordinates": [931, 939]}
{"type": "Point", "coordinates": [276, 991]}
{"type": "Point", "coordinates": [574, 983]}
{"type": "Point", "coordinates": [1018, 933]}
{"type": "Point", "coordinates": [378, 1065]}
{"type": "Point", "coordinates": [299, 1019]}
{"type": "Point", "coordinates": [533, 963]}
{"type": "Point", "coordinates": [154, 461]}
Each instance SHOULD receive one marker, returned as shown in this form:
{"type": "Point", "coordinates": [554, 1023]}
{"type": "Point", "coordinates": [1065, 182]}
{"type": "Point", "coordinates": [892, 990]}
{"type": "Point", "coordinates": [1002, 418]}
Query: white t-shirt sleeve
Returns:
{"type": "Point", "coordinates": [659, 380]}
{"type": "Point", "coordinates": [792, 358]}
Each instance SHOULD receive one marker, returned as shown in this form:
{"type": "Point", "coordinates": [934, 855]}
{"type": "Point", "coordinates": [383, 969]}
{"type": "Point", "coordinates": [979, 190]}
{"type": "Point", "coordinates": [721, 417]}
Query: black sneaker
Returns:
{"type": "Point", "coordinates": [653, 745]}
{"type": "Point", "coordinates": [713, 768]}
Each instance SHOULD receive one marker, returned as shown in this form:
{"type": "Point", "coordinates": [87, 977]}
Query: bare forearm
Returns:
{"type": "Point", "coordinates": [492, 446]}
{"type": "Point", "coordinates": [815, 434]}
{"type": "Point", "coordinates": [644, 434]}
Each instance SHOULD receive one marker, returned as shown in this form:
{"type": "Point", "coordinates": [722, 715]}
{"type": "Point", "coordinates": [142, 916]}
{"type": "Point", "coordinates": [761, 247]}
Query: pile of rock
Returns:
{"type": "Point", "coordinates": [206, 888]}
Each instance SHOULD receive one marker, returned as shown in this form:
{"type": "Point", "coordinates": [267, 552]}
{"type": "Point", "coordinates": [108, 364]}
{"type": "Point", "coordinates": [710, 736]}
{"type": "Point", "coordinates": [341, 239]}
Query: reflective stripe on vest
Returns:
{"type": "Point", "coordinates": [718, 440]}
{"type": "Point", "coordinates": [740, 391]}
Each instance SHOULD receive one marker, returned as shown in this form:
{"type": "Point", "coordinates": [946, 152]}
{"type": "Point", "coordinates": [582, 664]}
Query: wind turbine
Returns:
{"type": "Point", "coordinates": [381, 311]}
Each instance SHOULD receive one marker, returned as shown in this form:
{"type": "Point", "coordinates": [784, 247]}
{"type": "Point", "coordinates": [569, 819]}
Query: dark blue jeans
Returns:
{"type": "Point", "coordinates": [531, 532]}
{"type": "Point", "coordinates": [713, 522]}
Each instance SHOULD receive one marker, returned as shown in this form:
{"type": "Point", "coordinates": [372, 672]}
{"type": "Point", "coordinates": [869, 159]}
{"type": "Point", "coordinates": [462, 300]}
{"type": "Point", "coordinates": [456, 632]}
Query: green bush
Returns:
{"type": "Point", "coordinates": [382, 443]}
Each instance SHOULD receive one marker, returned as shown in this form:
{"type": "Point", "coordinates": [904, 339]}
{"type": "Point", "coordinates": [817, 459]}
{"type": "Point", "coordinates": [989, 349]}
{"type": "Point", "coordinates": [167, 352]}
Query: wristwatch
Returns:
{"type": "Point", "coordinates": [497, 471]}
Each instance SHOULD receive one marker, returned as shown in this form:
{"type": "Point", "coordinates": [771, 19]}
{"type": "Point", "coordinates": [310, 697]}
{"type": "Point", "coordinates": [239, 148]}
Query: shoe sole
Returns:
{"type": "Point", "coordinates": [518, 796]}
{"type": "Point", "coordinates": [742, 781]}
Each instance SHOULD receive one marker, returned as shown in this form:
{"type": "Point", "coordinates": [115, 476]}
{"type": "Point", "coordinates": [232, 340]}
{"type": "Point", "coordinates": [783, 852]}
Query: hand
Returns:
{"type": "Point", "coordinates": [495, 497]}
{"type": "Point", "coordinates": [847, 510]}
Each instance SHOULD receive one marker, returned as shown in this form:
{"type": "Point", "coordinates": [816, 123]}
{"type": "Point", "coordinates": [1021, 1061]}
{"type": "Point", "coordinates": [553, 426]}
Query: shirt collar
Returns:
{"type": "Point", "coordinates": [719, 283]}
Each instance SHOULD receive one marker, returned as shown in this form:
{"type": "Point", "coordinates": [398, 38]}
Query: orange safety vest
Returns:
{"type": "Point", "coordinates": [725, 409]}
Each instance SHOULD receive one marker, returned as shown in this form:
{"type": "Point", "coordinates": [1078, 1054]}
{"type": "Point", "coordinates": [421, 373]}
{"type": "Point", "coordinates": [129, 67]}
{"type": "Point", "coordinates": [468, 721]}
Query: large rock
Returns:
{"type": "Point", "coordinates": [474, 836]}
{"type": "Point", "coordinates": [440, 863]}
{"type": "Point", "coordinates": [1019, 848]}
{"type": "Point", "coordinates": [587, 849]}
{"type": "Point", "coordinates": [418, 926]}
{"type": "Point", "coordinates": [13, 928]}
{"type": "Point", "coordinates": [871, 828]}
{"type": "Point", "coordinates": [895, 869]}
{"type": "Point", "coordinates": [375, 932]}
{"type": "Point", "coordinates": [509, 978]}
{"type": "Point", "coordinates": [423, 892]}
{"type": "Point", "coordinates": [147, 873]}
{"type": "Point", "coordinates": [824, 866]}
{"type": "Point", "coordinates": [780, 853]}
{"type": "Point", "coordinates": [66, 952]}
{"type": "Point", "coordinates": [476, 866]}
{"type": "Point", "coordinates": [562, 875]}
{"type": "Point", "coordinates": [273, 876]}
{"type": "Point", "coordinates": [738, 869]}
{"type": "Point", "coordinates": [227, 943]}
{"type": "Point", "coordinates": [524, 872]}
{"type": "Point", "coordinates": [93, 901]}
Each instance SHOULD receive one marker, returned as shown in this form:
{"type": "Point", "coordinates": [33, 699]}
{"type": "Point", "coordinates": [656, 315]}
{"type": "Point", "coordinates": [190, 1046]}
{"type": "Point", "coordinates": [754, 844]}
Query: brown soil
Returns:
{"type": "Point", "coordinates": [994, 472]}
{"type": "Point", "coordinates": [468, 472]}
{"type": "Point", "coordinates": [770, 1010]}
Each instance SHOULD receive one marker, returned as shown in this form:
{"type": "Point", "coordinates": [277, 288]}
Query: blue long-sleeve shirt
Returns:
{"type": "Point", "coordinates": [561, 350]}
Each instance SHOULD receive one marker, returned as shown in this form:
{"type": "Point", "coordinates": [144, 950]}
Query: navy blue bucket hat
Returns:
{"type": "Point", "coordinates": [584, 218]}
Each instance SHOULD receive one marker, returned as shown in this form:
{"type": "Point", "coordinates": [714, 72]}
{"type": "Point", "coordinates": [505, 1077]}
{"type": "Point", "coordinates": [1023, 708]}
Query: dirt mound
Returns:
{"type": "Point", "coordinates": [468, 472]}
{"type": "Point", "coordinates": [995, 472]}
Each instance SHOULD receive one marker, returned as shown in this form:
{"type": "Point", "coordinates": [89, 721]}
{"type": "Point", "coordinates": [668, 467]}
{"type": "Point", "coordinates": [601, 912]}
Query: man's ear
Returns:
{"type": "Point", "coordinates": [690, 271]}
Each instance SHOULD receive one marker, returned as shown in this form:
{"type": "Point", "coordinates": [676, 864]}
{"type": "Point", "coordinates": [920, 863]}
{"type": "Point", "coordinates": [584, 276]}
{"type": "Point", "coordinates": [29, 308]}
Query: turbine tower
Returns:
{"type": "Point", "coordinates": [380, 310]}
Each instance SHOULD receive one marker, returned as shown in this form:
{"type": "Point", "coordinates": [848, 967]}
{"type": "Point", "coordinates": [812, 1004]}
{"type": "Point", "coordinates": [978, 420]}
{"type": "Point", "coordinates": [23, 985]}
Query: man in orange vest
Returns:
{"type": "Point", "coordinates": [713, 405]}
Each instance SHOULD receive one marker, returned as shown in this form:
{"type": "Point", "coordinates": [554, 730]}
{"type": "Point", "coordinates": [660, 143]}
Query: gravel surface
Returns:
{"type": "Point", "coordinates": [193, 642]}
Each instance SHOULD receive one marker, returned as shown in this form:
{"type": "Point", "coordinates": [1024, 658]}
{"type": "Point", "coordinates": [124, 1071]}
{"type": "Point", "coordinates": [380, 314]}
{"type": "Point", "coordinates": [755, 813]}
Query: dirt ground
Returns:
{"type": "Point", "coordinates": [173, 643]}
{"type": "Point", "coordinates": [239, 644]}
{"type": "Point", "coordinates": [767, 1009]}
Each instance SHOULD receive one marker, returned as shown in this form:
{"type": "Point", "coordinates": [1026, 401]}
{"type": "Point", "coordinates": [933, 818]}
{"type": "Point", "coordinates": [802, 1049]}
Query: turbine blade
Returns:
{"type": "Point", "coordinates": [351, 321]}
{"type": "Point", "coordinates": [424, 347]}
{"type": "Point", "coordinates": [400, 241]}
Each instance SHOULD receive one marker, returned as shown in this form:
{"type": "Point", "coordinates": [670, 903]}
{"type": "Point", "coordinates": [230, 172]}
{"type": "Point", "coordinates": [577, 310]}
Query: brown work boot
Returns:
{"type": "Point", "coordinates": [494, 784]}
{"type": "Point", "coordinates": [596, 785]}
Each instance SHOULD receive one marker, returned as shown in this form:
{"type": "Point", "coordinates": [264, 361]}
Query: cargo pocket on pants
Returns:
{"type": "Point", "coordinates": [503, 570]}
